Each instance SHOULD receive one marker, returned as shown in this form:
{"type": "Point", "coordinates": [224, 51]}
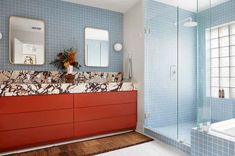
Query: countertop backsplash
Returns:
{"type": "Point", "coordinates": [42, 77]}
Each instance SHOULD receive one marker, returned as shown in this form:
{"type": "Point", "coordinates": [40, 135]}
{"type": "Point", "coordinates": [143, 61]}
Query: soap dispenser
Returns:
{"type": "Point", "coordinates": [129, 66]}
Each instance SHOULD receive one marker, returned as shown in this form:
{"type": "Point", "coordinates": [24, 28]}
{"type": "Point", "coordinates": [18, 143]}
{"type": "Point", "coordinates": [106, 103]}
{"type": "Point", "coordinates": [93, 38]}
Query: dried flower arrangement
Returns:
{"type": "Point", "coordinates": [65, 59]}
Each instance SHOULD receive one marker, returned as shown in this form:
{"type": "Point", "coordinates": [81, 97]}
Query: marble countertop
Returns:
{"type": "Point", "coordinates": [23, 83]}
{"type": "Point", "coordinates": [19, 89]}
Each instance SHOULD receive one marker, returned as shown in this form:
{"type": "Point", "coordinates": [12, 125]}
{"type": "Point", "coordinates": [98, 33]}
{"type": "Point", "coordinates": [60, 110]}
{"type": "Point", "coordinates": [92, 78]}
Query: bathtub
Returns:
{"type": "Point", "coordinates": [224, 129]}
{"type": "Point", "coordinates": [217, 141]}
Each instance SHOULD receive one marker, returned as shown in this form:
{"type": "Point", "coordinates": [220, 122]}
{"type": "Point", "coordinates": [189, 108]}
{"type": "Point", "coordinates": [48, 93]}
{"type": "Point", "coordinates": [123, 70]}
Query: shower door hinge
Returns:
{"type": "Point", "coordinates": [147, 30]}
{"type": "Point", "coordinates": [173, 72]}
{"type": "Point", "coordinates": [146, 115]}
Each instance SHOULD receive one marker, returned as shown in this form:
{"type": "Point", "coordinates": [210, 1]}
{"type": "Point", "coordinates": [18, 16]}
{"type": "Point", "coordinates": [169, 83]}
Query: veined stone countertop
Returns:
{"type": "Point", "coordinates": [19, 89]}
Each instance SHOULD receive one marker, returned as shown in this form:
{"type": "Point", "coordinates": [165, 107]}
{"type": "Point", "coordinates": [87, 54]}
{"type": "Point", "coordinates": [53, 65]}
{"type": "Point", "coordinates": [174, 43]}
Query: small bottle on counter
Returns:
{"type": "Point", "coordinates": [222, 93]}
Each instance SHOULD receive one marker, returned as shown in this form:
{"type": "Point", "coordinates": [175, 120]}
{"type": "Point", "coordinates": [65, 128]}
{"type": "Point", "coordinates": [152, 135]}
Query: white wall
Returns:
{"type": "Point", "coordinates": [134, 43]}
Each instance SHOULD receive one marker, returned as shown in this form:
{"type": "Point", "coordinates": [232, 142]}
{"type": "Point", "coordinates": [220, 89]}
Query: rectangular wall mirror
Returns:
{"type": "Point", "coordinates": [26, 41]}
{"type": "Point", "coordinates": [96, 47]}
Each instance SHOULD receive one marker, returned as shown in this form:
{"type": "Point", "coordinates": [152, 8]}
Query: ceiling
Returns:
{"type": "Point", "coordinates": [123, 5]}
{"type": "Point", "coordinates": [114, 5]}
{"type": "Point", "coordinates": [191, 5]}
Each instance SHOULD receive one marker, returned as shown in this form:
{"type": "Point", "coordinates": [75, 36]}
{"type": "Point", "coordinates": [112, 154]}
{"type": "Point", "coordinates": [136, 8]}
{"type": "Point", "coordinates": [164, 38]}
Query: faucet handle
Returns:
{"type": "Point", "coordinates": [49, 79]}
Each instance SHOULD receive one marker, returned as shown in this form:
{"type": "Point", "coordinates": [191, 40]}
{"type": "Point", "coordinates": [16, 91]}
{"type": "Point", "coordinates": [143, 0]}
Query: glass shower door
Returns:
{"type": "Point", "coordinates": [187, 72]}
{"type": "Point", "coordinates": [161, 68]}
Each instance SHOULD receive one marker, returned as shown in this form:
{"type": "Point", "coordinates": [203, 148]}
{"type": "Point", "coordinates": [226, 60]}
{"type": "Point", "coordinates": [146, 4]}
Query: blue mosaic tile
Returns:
{"type": "Point", "coordinates": [65, 23]}
{"type": "Point", "coordinates": [204, 144]}
{"type": "Point", "coordinates": [172, 142]}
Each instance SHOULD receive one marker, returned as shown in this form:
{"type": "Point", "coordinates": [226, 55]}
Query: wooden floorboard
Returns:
{"type": "Point", "coordinates": [92, 147]}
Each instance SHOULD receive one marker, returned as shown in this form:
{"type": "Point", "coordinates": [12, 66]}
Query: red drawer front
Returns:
{"type": "Point", "coordinates": [96, 99]}
{"type": "Point", "coordinates": [35, 119]}
{"type": "Point", "coordinates": [101, 112]}
{"type": "Point", "coordinates": [35, 103]}
{"type": "Point", "coordinates": [27, 137]}
{"type": "Point", "coordinates": [95, 127]}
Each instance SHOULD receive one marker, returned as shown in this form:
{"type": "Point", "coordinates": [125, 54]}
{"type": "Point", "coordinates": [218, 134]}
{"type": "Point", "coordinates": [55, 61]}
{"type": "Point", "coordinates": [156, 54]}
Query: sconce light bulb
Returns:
{"type": "Point", "coordinates": [118, 47]}
{"type": "Point", "coordinates": [0, 35]}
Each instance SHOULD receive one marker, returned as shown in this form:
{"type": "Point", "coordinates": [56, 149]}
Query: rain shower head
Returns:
{"type": "Point", "coordinates": [190, 23]}
{"type": "Point", "coordinates": [187, 22]}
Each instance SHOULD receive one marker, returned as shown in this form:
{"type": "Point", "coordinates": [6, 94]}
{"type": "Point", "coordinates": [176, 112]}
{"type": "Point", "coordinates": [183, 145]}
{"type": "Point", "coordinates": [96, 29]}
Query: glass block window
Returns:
{"type": "Point", "coordinates": [220, 60]}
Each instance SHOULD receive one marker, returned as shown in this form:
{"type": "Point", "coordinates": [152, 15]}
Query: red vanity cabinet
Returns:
{"type": "Point", "coordinates": [27, 121]}
{"type": "Point", "coordinates": [35, 120]}
{"type": "Point", "coordinates": [101, 113]}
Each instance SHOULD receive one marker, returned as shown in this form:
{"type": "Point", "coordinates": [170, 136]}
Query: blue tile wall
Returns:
{"type": "Point", "coordinates": [221, 109]}
{"type": "Point", "coordinates": [65, 24]}
{"type": "Point", "coordinates": [160, 55]}
{"type": "Point", "coordinates": [204, 144]}
{"type": "Point", "coordinates": [211, 108]}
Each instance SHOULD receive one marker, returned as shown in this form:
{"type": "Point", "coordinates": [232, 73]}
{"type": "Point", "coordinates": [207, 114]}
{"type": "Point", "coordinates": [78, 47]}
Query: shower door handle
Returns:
{"type": "Point", "coordinates": [173, 72]}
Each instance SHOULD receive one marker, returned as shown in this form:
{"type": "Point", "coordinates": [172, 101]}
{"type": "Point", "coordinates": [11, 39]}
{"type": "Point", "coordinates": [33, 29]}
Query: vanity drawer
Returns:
{"type": "Point", "coordinates": [21, 104]}
{"type": "Point", "coordinates": [34, 136]}
{"type": "Point", "coordinates": [101, 112]}
{"type": "Point", "coordinates": [96, 127]}
{"type": "Point", "coordinates": [35, 119]}
{"type": "Point", "coordinates": [107, 98]}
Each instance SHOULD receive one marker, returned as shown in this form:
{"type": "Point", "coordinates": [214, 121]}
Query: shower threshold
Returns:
{"type": "Point", "coordinates": [170, 131]}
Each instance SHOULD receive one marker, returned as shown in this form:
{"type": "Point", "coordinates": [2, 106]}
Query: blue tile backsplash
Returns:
{"type": "Point", "coordinates": [65, 23]}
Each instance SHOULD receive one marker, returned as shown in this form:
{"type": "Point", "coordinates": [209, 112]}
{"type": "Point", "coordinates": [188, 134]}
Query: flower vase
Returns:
{"type": "Point", "coordinates": [69, 77]}
{"type": "Point", "coordinates": [69, 69]}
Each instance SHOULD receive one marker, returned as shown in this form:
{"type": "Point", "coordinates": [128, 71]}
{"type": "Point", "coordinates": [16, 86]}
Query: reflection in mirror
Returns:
{"type": "Point", "coordinates": [26, 41]}
{"type": "Point", "coordinates": [96, 47]}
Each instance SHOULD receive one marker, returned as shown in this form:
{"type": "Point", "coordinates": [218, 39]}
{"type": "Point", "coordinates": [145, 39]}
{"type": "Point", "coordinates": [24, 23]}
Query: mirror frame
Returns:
{"type": "Point", "coordinates": [9, 41]}
{"type": "Point", "coordinates": [85, 61]}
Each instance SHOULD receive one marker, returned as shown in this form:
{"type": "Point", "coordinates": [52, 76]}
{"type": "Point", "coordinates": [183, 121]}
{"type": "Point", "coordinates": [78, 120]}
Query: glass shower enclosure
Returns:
{"type": "Point", "coordinates": [171, 68]}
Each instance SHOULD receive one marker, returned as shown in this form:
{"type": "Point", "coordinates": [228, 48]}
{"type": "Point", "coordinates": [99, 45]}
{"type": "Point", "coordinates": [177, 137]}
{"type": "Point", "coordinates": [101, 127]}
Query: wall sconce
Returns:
{"type": "Point", "coordinates": [0, 35]}
{"type": "Point", "coordinates": [118, 47]}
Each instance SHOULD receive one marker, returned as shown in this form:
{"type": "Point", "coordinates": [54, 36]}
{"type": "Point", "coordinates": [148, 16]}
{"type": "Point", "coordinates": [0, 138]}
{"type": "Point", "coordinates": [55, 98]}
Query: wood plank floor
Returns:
{"type": "Point", "coordinates": [92, 147]}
